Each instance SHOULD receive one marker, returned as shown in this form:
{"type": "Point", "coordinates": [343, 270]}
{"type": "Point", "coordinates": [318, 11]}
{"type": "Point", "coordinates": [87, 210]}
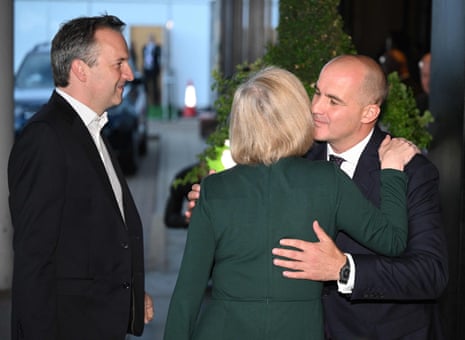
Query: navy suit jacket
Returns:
{"type": "Point", "coordinates": [78, 265]}
{"type": "Point", "coordinates": [393, 298]}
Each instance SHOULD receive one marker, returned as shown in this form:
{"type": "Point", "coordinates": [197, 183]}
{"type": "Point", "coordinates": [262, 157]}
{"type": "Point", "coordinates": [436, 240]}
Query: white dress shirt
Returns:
{"type": "Point", "coordinates": [351, 158]}
{"type": "Point", "coordinates": [94, 124]}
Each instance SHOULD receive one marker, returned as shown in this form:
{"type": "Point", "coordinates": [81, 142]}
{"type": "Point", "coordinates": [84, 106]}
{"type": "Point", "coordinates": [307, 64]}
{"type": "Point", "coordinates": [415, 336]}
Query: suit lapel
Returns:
{"type": "Point", "coordinates": [83, 137]}
{"type": "Point", "coordinates": [366, 174]}
{"type": "Point", "coordinates": [120, 175]}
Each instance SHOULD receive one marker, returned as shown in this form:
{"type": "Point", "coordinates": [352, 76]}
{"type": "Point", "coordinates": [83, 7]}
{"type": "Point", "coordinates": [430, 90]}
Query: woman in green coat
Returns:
{"type": "Point", "coordinates": [274, 193]}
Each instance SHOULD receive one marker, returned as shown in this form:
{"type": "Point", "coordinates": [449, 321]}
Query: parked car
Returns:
{"type": "Point", "coordinates": [127, 123]}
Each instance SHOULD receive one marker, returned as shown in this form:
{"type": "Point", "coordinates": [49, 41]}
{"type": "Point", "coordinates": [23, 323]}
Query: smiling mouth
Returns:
{"type": "Point", "coordinates": [319, 121]}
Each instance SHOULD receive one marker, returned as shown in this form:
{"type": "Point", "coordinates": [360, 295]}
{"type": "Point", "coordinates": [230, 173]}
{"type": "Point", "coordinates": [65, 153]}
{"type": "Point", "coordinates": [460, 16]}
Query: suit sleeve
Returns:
{"type": "Point", "coordinates": [193, 275]}
{"type": "Point", "coordinates": [383, 230]}
{"type": "Point", "coordinates": [421, 271]}
{"type": "Point", "coordinates": [36, 178]}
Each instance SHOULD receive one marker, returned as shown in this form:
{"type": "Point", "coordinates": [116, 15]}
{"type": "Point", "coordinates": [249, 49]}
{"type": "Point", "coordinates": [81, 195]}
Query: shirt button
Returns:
{"type": "Point", "coordinates": [126, 285]}
{"type": "Point", "coordinates": [124, 245]}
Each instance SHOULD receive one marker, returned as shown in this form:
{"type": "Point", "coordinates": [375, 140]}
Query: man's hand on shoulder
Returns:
{"type": "Point", "coordinates": [192, 197]}
{"type": "Point", "coordinates": [395, 153]}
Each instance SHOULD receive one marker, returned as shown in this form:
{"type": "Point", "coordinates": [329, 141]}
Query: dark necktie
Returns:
{"type": "Point", "coordinates": [336, 160]}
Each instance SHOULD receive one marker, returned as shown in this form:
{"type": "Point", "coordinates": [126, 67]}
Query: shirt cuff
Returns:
{"type": "Point", "coordinates": [346, 288]}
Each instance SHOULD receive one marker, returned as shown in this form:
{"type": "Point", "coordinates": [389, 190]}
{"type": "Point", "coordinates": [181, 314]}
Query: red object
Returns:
{"type": "Point", "coordinates": [190, 101]}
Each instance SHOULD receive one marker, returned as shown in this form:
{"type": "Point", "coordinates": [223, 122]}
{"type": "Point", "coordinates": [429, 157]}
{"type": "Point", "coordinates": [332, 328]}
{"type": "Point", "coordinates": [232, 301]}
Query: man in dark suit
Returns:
{"type": "Point", "coordinates": [379, 297]}
{"type": "Point", "coordinates": [78, 247]}
{"type": "Point", "coordinates": [151, 53]}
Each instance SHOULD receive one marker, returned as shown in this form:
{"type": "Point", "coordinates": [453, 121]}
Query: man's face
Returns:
{"type": "Point", "coordinates": [106, 79]}
{"type": "Point", "coordinates": [336, 106]}
{"type": "Point", "coordinates": [425, 73]}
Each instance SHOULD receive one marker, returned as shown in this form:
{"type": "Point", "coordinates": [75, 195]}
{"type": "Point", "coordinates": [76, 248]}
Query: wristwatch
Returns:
{"type": "Point", "coordinates": [344, 273]}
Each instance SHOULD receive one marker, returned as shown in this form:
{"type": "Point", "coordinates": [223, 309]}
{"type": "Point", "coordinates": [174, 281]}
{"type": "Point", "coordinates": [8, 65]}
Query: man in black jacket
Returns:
{"type": "Point", "coordinates": [78, 268]}
{"type": "Point", "coordinates": [375, 297]}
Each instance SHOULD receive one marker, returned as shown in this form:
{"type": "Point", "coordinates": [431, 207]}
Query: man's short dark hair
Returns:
{"type": "Point", "coordinates": [75, 40]}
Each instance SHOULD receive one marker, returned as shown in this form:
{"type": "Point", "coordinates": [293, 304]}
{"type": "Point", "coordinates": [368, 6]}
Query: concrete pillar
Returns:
{"type": "Point", "coordinates": [245, 32]}
{"type": "Point", "coordinates": [447, 105]}
{"type": "Point", "coordinates": [256, 30]}
{"type": "Point", "coordinates": [6, 138]}
{"type": "Point", "coordinates": [230, 36]}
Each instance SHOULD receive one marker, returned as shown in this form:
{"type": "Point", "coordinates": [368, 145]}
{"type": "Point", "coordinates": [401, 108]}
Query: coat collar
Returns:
{"type": "Point", "coordinates": [367, 172]}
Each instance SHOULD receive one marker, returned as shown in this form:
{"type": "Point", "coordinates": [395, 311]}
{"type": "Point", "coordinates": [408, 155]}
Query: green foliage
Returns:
{"type": "Point", "coordinates": [225, 87]}
{"type": "Point", "coordinates": [310, 34]}
{"type": "Point", "coordinates": [401, 117]}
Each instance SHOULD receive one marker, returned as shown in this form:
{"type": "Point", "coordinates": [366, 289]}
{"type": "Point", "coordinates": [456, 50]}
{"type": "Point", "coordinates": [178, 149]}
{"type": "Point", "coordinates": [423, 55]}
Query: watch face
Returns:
{"type": "Point", "coordinates": [346, 273]}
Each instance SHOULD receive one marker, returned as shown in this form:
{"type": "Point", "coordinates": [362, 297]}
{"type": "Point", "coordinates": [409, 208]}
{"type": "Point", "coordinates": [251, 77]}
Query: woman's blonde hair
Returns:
{"type": "Point", "coordinates": [270, 118]}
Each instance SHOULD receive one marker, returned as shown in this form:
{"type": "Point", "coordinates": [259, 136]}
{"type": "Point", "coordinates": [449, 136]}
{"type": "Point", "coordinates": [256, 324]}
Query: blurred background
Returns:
{"type": "Point", "coordinates": [197, 36]}
{"type": "Point", "coordinates": [172, 120]}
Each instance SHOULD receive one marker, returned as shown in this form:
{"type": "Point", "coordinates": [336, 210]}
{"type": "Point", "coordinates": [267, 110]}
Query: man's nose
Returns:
{"type": "Point", "coordinates": [128, 74]}
{"type": "Point", "coordinates": [315, 104]}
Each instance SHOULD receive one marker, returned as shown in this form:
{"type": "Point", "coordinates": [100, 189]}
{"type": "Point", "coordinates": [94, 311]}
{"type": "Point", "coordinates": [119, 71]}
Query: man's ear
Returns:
{"type": "Point", "coordinates": [79, 69]}
{"type": "Point", "coordinates": [371, 113]}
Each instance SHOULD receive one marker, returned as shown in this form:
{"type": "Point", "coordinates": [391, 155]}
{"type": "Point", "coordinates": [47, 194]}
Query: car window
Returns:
{"type": "Point", "coordinates": [35, 72]}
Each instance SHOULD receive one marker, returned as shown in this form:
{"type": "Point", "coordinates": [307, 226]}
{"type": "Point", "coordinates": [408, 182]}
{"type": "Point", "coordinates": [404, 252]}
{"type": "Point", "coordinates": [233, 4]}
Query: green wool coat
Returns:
{"type": "Point", "coordinates": [242, 213]}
